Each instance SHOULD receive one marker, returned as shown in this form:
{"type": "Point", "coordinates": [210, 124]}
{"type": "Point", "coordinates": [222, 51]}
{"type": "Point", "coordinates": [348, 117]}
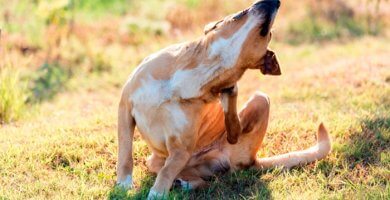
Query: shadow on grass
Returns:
{"type": "Point", "coordinates": [240, 185]}
{"type": "Point", "coordinates": [369, 145]}
{"type": "Point", "coordinates": [366, 147]}
{"type": "Point", "coordinates": [357, 155]}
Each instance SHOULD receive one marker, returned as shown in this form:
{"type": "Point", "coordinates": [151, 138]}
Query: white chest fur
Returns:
{"type": "Point", "coordinates": [156, 103]}
{"type": "Point", "coordinates": [158, 115]}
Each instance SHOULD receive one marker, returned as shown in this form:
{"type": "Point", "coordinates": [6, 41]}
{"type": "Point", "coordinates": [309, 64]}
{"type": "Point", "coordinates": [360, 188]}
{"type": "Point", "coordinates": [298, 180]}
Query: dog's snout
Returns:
{"type": "Point", "coordinates": [268, 5]}
{"type": "Point", "coordinates": [267, 9]}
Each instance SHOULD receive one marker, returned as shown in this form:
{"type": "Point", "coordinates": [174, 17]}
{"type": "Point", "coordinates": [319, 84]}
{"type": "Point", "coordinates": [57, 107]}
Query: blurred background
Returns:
{"type": "Point", "coordinates": [63, 63]}
{"type": "Point", "coordinates": [47, 43]}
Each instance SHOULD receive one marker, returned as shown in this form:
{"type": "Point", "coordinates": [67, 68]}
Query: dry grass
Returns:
{"type": "Point", "coordinates": [65, 146]}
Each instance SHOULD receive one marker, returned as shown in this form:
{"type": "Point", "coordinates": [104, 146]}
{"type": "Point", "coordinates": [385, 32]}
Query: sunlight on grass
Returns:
{"type": "Point", "coordinates": [13, 93]}
{"type": "Point", "coordinates": [64, 68]}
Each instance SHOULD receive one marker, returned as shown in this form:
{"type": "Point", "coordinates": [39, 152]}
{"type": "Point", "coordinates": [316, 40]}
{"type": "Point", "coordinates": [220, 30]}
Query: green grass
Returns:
{"type": "Point", "coordinates": [49, 79]}
{"type": "Point", "coordinates": [13, 94]}
{"type": "Point", "coordinates": [102, 6]}
{"type": "Point", "coordinates": [65, 145]}
{"type": "Point", "coordinates": [336, 20]}
{"type": "Point", "coordinates": [68, 150]}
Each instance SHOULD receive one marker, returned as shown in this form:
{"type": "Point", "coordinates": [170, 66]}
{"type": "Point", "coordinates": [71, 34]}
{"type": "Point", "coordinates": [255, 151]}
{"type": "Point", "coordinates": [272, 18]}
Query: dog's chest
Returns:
{"type": "Point", "coordinates": [158, 106]}
{"type": "Point", "coordinates": [158, 112]}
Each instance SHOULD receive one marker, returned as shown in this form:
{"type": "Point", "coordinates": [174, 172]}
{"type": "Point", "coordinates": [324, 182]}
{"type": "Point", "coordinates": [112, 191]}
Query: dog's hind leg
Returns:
{"type": "Point", "coordinates": [202, 168]}
{"type": "Point", "coordinates": [155, 163]}
{"type": "Point", "coordinates": [190, 179]}
{"type": "Point", "coordinates": [254, 119]}
{"type": "Point", "coordinates": [190, 183]}
{"type": "Point", "coordinates": [232, 122]}
{"type": "Point", "coordinates": [255, 115]}
{"type": "Point", "coordinates": [126, 126]}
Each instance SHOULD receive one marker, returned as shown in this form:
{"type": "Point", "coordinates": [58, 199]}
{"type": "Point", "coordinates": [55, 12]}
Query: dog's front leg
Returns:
{"type": "Point", "coordinates": [174, 164]}
{"type": "Point", "coordinates": [232, 122]}
{"type": "Point", "coordinates": [126, 126]}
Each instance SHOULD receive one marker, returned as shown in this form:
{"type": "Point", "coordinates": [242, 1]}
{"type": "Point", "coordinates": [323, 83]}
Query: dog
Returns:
{"type": "Point", "coordinates": [183, 101]}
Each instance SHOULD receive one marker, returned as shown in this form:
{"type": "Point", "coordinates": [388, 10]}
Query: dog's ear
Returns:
{"type": "Point", "coordinates": [211, 26]}
{"type": "Point", "coordinates": [271, 64]}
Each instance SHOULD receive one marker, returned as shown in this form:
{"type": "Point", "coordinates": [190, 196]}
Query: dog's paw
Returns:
{"type": "Point", "coordinates": [127, 183]}
{"type": "Point", "coordinates": [180, 183]}
{"type": "Point", "coordinates": [154, 195]}
{"type": "Point", "coordinates": [232, 139]}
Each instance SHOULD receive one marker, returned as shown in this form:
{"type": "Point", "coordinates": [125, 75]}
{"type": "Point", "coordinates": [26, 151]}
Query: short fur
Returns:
{"type": "Point", "coordinates": [183, 101]}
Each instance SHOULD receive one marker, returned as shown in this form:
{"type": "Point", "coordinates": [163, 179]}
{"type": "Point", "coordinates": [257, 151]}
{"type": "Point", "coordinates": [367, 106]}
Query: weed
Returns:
{"type": "Point", "coordinates": [48, 81]}
{"type": "Point", "coordinates": [329, 20]}
{"type": "Point", "coordinates": [13, 94]}
{"type": "Point", "coordinates": [103, 6]}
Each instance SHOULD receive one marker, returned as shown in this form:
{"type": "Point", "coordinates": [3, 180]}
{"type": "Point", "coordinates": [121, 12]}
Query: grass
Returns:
{"type": "Point", "coordinates": [330, 22]}
{"type": "Point", "coordinates": [13, 93]}
{"type": "Point", "coordinates": [69, 149]}
{"type": "Point", "coordinates": [66, 147]}
{"type": "Point", "coordinates": [49, 79]}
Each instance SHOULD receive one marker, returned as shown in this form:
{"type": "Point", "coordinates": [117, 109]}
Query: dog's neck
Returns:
{"type": "Point", "coordinates": [212, 63]}
{"type": "Point", "coordinates": [227, 70]}
{"type": "Point", "coordinates": [203, 69]}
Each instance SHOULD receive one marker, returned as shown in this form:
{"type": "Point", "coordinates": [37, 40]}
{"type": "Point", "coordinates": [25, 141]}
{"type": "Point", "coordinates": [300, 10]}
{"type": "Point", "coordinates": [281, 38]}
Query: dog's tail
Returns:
{"type": "Point", "coordinates": [288, 160]}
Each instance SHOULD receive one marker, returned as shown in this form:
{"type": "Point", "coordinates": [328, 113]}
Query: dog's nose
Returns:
{"type": "Point", "coordinates": [269, 5]}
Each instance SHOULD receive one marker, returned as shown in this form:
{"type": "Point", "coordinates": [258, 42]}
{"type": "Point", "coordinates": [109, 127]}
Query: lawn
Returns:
{"type": "Point", "coordinates": [62, 72]}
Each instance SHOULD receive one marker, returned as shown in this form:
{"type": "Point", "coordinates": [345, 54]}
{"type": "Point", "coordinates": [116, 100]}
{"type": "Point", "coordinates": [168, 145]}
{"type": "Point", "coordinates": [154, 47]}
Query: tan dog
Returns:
{"type": "Point", "coordinates": [183, 101]}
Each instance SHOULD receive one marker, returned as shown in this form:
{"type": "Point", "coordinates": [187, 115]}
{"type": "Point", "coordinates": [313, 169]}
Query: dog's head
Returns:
{"type": "Point", "coordinates": [241, 40]}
